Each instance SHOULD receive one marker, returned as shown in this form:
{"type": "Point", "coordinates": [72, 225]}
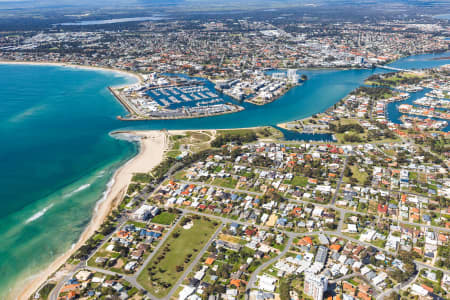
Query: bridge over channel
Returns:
{"type": "Point", "coordinates": [393, 69]}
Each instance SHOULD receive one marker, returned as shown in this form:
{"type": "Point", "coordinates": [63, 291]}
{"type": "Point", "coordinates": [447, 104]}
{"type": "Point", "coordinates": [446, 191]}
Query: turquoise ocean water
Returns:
{"type": "Point", "coordinates": [56, 155]}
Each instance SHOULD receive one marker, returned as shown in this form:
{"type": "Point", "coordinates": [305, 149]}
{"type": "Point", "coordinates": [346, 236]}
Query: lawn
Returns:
{"type": "Point", "coordinates": [180, 175]}
{"type": "Point", "coordinates": [299, 181]}
{"type": "Point", "coordinates": [361, 177]}
{"type": "Point", "coordinates": [141, 177]}
{"type": "Point", "coordinates": [379, 243]}
{"type": "Point", "coordinates": [177, 253]}
{"type": "Point", "coordinates": [262, 132]}
{"type": "Point", "coordinates": [193, 140]}
{"type": "Point", "coordinates": [230, 238]}
{"type": "Point", "coordinates": [199, 136]}
{"type": "Point", "coordinates": [137, 224]}
{"type": "Point", "coordinates": [98, 237]}
{"type": "Point", "coordinates": [165, 218]}
{"type": "Point", "coordinates": [173, 153]}
{"type": "Point", "coordinates": [225, 182]}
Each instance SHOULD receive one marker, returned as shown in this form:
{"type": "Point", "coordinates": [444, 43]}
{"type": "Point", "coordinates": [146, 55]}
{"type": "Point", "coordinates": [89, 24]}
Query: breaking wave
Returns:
{"type": "Point", "coordinates": [38, 214]}
{"type": "Point", "coordinates": [77, 190]}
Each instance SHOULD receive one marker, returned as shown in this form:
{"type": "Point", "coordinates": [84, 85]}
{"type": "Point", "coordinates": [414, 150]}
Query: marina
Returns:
{"type": "Point", "coordinates": [162, 97]}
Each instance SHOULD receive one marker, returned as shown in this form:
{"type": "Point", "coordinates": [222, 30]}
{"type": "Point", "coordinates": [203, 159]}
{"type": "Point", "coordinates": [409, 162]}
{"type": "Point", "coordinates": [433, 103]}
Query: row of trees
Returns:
{"type": "Point", "coordinates": [238, 138]}
{"type": "Point", "coordinates": [390, 79]}
{"type": "Point", "coordinates": [341, 128]}
{"type": "Point", "coordinates": [373, 92]}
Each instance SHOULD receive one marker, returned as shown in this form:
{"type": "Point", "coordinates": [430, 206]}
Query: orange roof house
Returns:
{"type": "Point", "coordinates": [71, 295]}
{"type": "Point", "coordinates": [363, 296]}
{"type": "Point", "coordinates": [210, 260]}
{"type": "Point", "coordinates": [296, 211]}
{"type": "Point", "coordinates": [312, 180]}
{"type": "Point", "coordinates": [123, 234]}
{"type": "Point", "coordinates": [335, 247]}
{"type": "Point", "coordinates": [429, 289]}
{"type": "Point", "coordinates": [235, 282]}
{"type": "Point", "coordinates": [404, 198]}
{"type": "Point", "coordinates": [348, 287]}
{"type": "Point", "coordinates": [305, 241]}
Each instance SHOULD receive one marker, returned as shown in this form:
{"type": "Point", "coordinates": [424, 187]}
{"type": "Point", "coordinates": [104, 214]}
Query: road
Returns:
{"type": "Point", "coordinates": [253, 278]}
{"type": "Point", "coordinates": [338, 186]}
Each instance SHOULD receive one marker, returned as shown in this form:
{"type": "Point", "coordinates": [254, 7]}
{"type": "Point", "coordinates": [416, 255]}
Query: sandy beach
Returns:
{"type": "Point", "coordinates": [137, 76]}
{"type": "Point", "coordinates": [153, 144]}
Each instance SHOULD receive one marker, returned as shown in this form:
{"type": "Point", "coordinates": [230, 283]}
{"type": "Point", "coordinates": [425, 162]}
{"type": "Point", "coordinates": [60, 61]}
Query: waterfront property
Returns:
{"type": "Point", "coordinates": [171, 97]}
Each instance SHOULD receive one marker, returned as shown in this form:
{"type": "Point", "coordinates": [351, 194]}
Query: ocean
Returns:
{"type": "Point", "coordinates": [57, 156]}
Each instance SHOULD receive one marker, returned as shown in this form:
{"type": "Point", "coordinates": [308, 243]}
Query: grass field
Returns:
{"type": "Point", "coordinates": [299, 181]}
{"type": "Point", "coordinates": [181, 247]}
{"type": "Point", "coordinates": [193, 141]}
{"type": "Point", "coordinates": [142, 177]}
{"type": "Point", "coordinates": [230, 238]}
{"type": "Point", "coordinates": [261, 132]}
{"type": "Point", "coordinates": [165, 218]}
{"type": "Point", "coordinates": [361, 177]}
{"type": "Point", "coordinates": [225, 182]}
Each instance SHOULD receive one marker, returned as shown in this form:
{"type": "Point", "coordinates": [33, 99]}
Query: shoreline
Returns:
{"type": "Point", "coordinates": [136, 76]}
{"type": "Point", "coordinates": [152, 146]}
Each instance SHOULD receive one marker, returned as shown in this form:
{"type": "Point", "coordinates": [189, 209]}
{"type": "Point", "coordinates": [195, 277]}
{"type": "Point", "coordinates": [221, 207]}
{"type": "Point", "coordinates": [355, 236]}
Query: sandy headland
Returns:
{"type": "Point", "coordinates": [152, 145]}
